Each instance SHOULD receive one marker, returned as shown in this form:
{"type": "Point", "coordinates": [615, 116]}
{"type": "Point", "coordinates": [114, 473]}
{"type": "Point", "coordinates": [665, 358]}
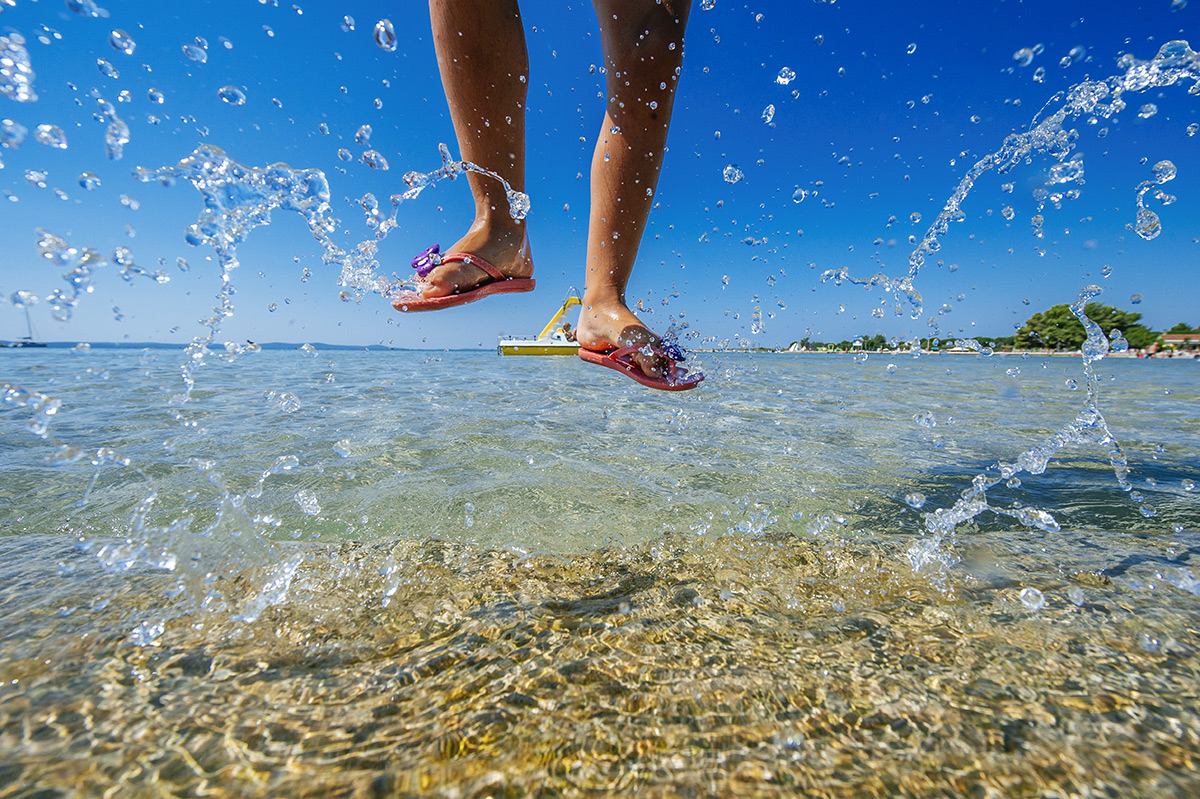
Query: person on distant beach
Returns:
{"type": "Point", "coordinates": [484, 67]}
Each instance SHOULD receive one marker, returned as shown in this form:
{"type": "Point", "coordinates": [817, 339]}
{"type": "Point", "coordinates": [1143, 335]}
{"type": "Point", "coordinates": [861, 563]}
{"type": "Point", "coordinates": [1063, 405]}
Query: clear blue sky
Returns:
{"type": "Point", "coordinates": [890, 105]}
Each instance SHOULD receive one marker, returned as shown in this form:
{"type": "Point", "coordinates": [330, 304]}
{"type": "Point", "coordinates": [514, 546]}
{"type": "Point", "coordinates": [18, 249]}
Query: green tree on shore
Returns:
{"type": "Point", "coordinates": [1057, 328]}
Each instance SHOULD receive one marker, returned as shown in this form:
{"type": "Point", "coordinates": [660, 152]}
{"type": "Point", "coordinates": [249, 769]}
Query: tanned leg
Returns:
{"type": "Point", "coordinates": [643, 49]}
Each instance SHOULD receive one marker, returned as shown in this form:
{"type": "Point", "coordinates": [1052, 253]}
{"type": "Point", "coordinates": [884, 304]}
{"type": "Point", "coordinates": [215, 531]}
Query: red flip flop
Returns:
{"type": "Point", "coordinates": [500, 284]}
{"type": "Point", "coordinates": [678, 379]}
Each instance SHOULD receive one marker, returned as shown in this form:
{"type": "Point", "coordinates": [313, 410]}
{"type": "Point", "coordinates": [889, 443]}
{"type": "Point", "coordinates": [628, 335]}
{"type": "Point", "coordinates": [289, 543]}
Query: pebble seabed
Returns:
{"type": "Point", "coordinates": [778, 666]}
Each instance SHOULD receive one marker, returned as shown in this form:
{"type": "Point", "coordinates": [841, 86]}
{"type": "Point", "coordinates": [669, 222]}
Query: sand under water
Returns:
{"type": "Point", "coordinates": [743, 620]}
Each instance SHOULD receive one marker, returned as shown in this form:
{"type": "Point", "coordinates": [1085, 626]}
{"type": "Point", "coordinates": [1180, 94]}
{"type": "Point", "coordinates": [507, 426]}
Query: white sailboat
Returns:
{"type": "Point", "coordinates": [27, 340]}
{"type": "Point", "coordinates": [555, 338]}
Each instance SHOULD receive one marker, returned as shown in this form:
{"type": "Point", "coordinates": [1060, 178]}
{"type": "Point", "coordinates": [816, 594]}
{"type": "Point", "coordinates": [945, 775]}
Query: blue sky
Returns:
{"type": "Point", "coordinates": [888, 109]}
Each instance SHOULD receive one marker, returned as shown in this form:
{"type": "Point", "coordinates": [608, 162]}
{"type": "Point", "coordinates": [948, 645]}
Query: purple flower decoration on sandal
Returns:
{"type": "Point", "coordinates": [428, 260]}
{"type": "Point", "coordinates": [672, 350]}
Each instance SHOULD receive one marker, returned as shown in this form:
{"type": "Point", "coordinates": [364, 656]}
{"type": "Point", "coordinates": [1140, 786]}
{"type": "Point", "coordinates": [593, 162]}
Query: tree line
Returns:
{"type": "Point", "coordinates": [1056, 328]}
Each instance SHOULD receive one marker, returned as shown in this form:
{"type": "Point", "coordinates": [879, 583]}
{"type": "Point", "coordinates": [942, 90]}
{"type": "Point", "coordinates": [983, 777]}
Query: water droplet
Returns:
{"type": "Point", "coordinates": [289, 402]}
{"type": "Point", "coordinates": [232, 95]}
{"type": "Point", "coordinates": [106, 68]}
{"type": "Point", "coordinates": [375, 160]}
{"type": "Point", "coordinates": [798, 195]}
{"type": "Point", "coordinates": [1178, 5]}
{"type": "Point", "coordinates": [1164, 171]}
{"type": "Point", "coordinates": [345, 154]}
{"type": "Point", "coordinates": [122, 41]}
{"type": "Point", "coordinates": [195, 53]}
{"type": "Point", "coordinates": [155, 96]}
{"type": "Point", "coordinates": [912, 48]}
{"type": "Point", "coordinates": [1188, 484]}
{"type": "Point", "coordinates": [1033, 598]}
{"type": "Point", "coordinates": [363, 135]}
{"type": "Point", "coordinates": [307, 500]}
{"type": "Point", "coordinates": [1071, 384]}
{"type": "Point", "coordinates": [732, 174]}
{"type": "Point", "coordinates": [11, 133]}
{"type": "Point", "coordinates": [1147, 111]}
{"type": "Point", "coordinates": [707, 5]}
{"type": "Point", "coordinates": [1007, 212]}
{"type": "Point", "coordinates": [925, 419]}
{"type": "Point", "coordinates": [89, 181]}
{"type": "Point", "coordinates": [347, 23]}
{"type": "Point", "coordinates": [1076, 595]}
{"type": "Point", "coordinates": [819, 39]}
{"type": "Point", "coordinates": [1135, 299]}
{"type": "Point", "coordinates": [342, 448]}
{"type": "Point", "coordinates": [1193, 129]}
{"type": "Point", "coordinates": [785, 76]}
{"type": "Point", "coordinates": [385, 35]}
{"type": "Point", "coordinates": [323, 129]}
{"type": "Point", "coordinates": [1148, 225]}
{"type": "Point", "coordinates": [768, 114]}
{"type": "Point", "coordinates": [915, 499]}
{"type": "Point", "coordinates": [51, 136]}
{"type": "Point", "coordinates": [1106, 270]}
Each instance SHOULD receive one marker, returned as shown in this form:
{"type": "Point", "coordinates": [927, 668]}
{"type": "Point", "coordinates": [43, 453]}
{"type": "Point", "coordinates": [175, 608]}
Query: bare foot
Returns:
{"type": "Point", "coordinates": [607, 325]}
{"type": "Point", "coordinates": [507, 250]}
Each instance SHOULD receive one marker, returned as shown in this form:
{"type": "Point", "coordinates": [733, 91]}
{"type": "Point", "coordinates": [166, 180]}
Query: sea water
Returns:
{"type": "Point", "coordinates": [363, 573]}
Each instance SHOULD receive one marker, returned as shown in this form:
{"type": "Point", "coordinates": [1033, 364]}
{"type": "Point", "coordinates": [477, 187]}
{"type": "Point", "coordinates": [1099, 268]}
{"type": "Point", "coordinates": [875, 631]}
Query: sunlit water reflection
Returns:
{"type": "Point", "coordinates": [496, 586]}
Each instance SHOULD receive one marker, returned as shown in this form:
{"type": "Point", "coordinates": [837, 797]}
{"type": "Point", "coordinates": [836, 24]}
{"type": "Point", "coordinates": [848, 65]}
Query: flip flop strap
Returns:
{"type": "Point", "coordinates": [475, 260]}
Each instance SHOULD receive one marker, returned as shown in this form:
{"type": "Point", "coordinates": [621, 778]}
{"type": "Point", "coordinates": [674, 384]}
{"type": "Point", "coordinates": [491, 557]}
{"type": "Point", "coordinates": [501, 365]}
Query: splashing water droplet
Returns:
{"type": "Point", "coordinates": [1135, 299]}
{"type": "Point", "coordinates": [51, 136]}
{"type": "Point", "coordinates": [1076, 595]}
{"type": "Point", "coordinates": [915, 499]}
{"type": "Point", "coordinates": [89, 181]}
{"type": "Point", "coordinates": [155, 96]}
{"type": "Point", "coordinates": [232, 95]}
{"type": "Point", "coordinates": [385, 35]}
{"type": "Point", "coordinates": [347, 23]}
{"type": "Point", "coordinates": [289, 402]}
{"type": "Point", "coordinates": [307, 500]}
{"type": "Point", "coordinates": [912, 48]}
{"type": "Point", "coordinates": [708, 5]}
{"type": "Point", "coordinates": [1148, 224]}
{"type": "Point", "coordinates": [363, 134]}
{"type": "Point", "coordinates": [1193, 129]}
{"type": "Point", "coordinates": [732, 174]}
{"type": "Point", "coordinates": [375, 160]}
{"type": "Point", "coordinates": [195, 53]}
{"type": "Point", "coordinates": [1033, 598]}
{"type": "Point", "coordinates": [345, 154]}
{"type": "Point", "coordinates": [1023, 57]}
{"type": "Point", "coordinates": [342, 448]}
{"type": "Point", "coordinates": [16, 71]}
{"type": "Point", "coordinates": [785, 76]}
{"type": "Point", "coordinates": [106, 68]}
{"type": "Point", "coordinates": [1147, 111]}
{"type": "Point", "coordinates": [768, 114]}
{"type": "Point", "coordinates": [1164, 171]}
{"type": "Point", "coordinates": [798, 195]}
{"type": "Point", "coordinates": [122, 41]}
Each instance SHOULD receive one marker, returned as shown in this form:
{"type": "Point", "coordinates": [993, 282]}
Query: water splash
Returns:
{"type": "Point", "coordinates": [16, 71]}
{"type": "Point", "coordinates": [1052, 136]}
{"type": "Point", "coordinates": [1087, 428]}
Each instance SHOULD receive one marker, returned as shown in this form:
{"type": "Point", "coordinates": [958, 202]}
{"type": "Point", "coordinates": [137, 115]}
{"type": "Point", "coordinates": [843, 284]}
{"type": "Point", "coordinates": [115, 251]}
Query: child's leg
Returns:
{"type": "Point", "coordinates": [643, 49]}
{"type": "Point", "coordinates": [485, 68]}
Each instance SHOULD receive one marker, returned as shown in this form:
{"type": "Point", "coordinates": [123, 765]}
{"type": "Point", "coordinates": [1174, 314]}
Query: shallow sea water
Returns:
{"type": "Point", "coordinates": [468, 577]}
